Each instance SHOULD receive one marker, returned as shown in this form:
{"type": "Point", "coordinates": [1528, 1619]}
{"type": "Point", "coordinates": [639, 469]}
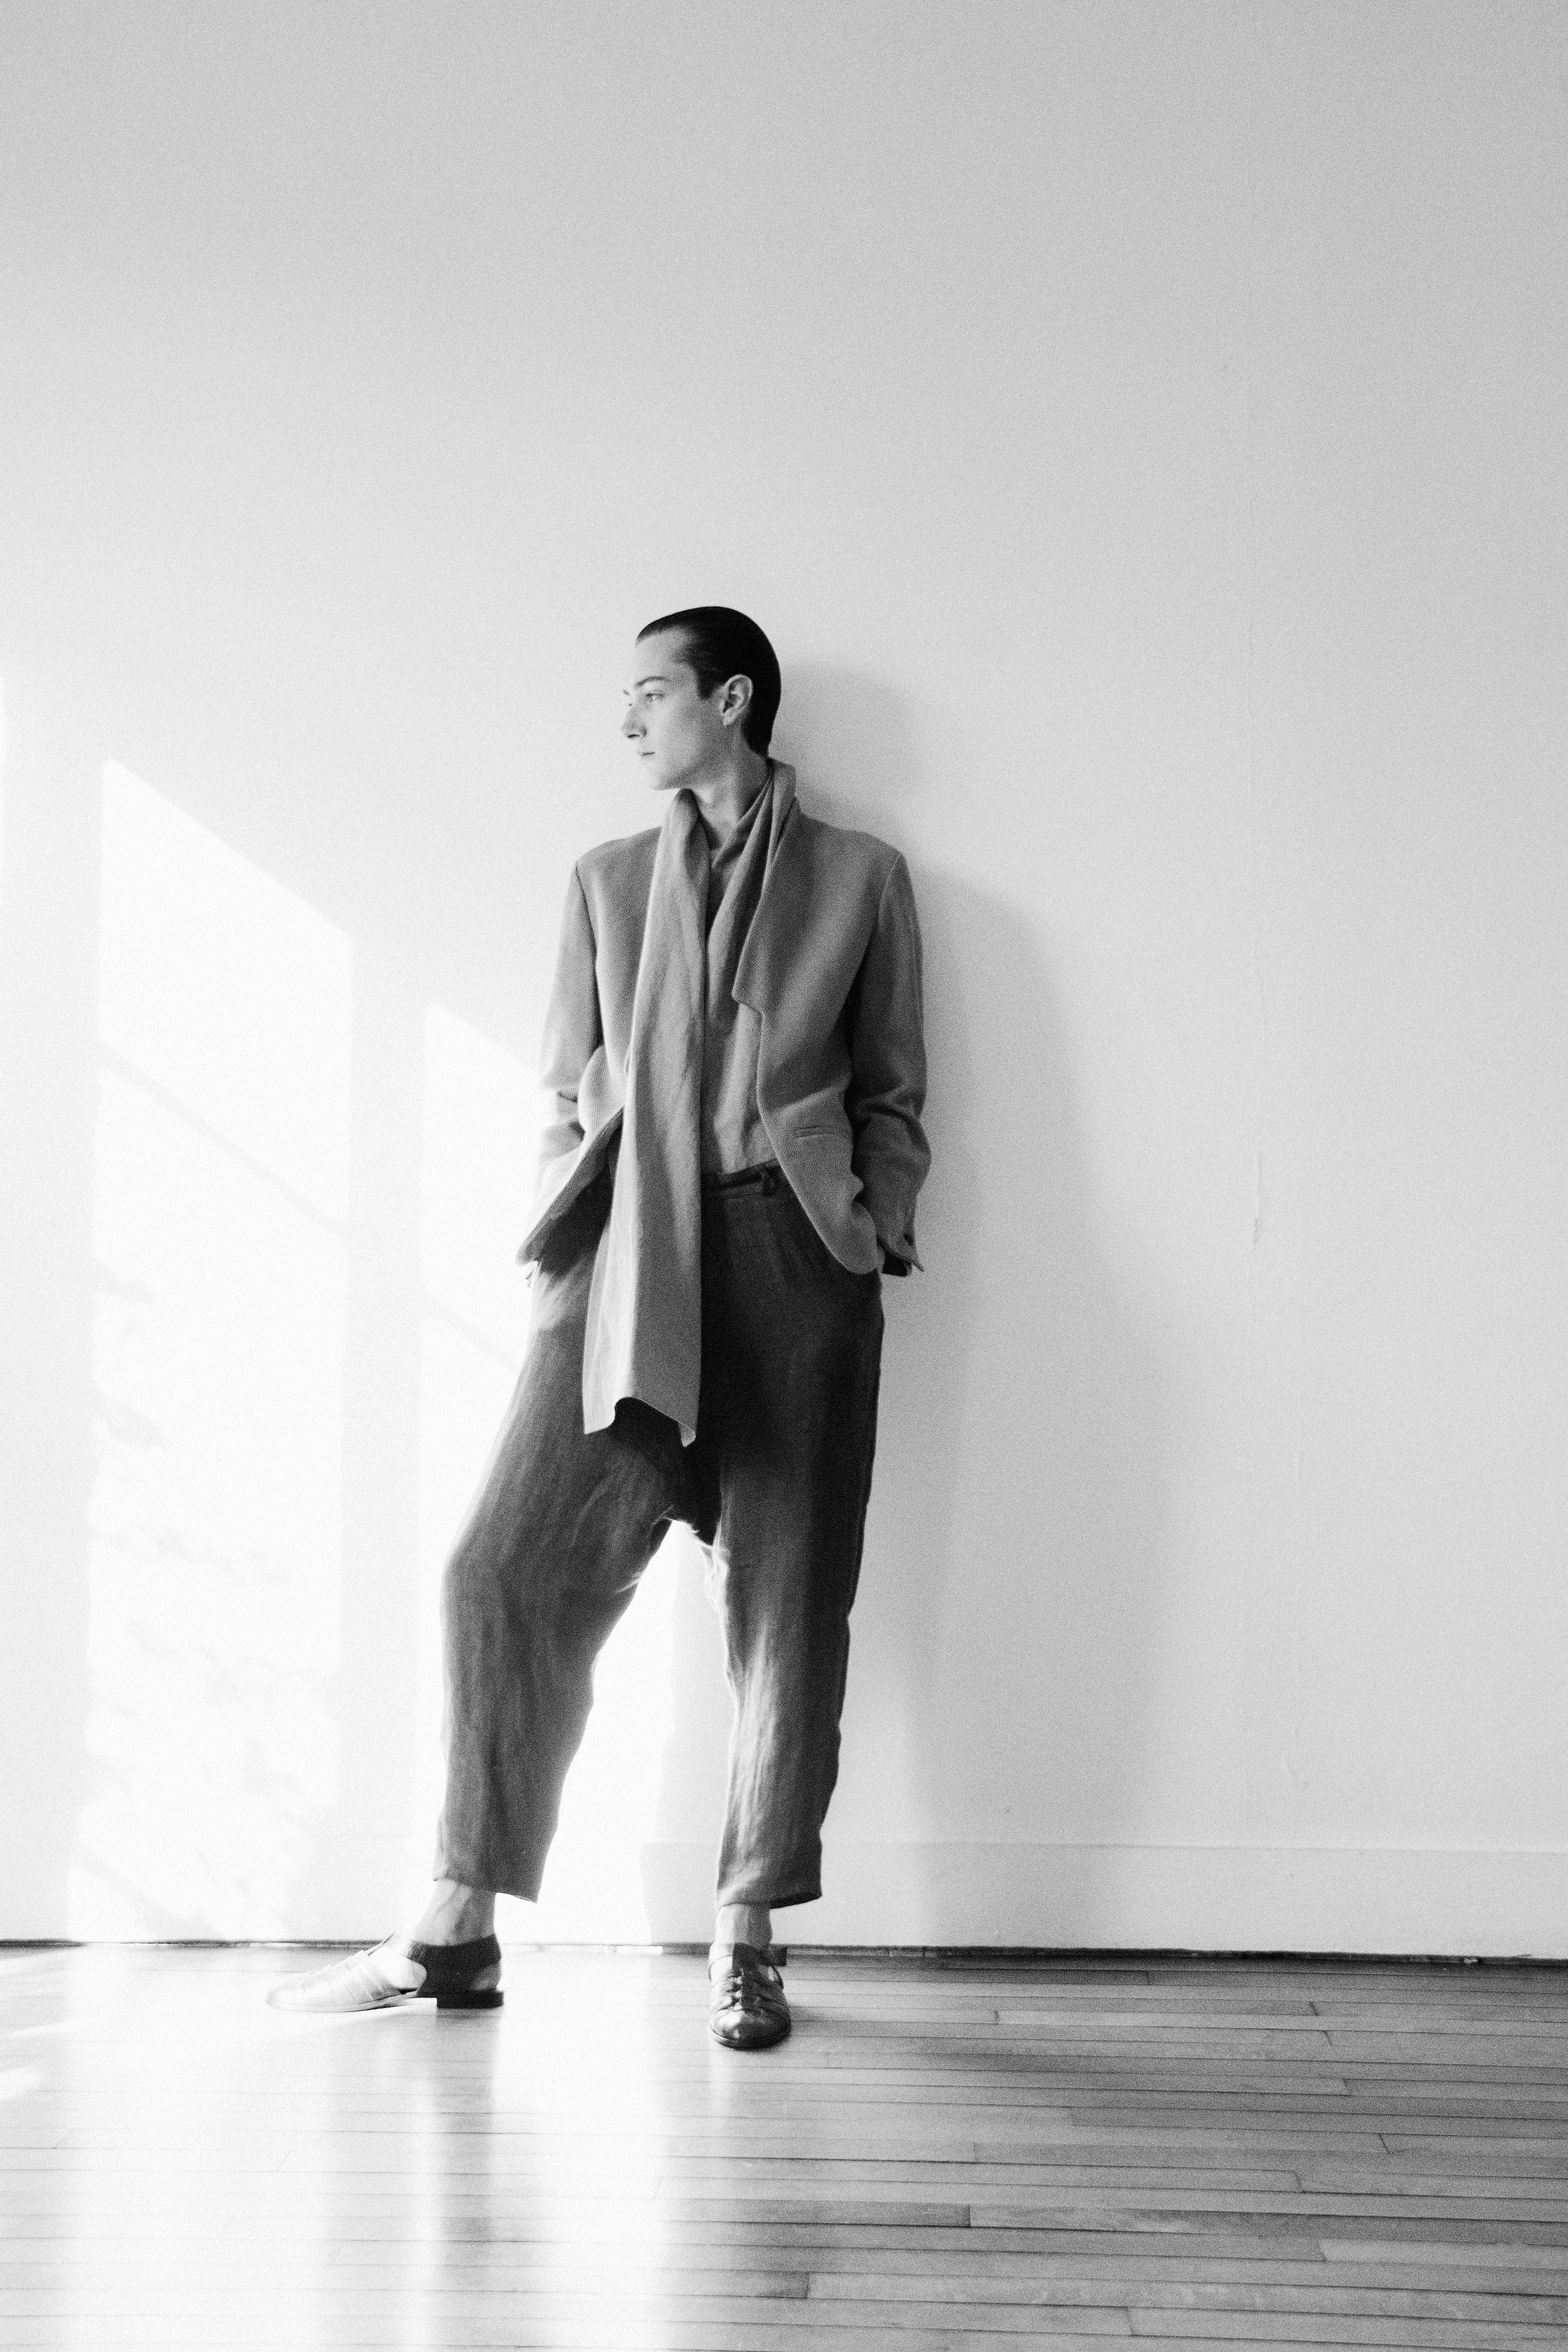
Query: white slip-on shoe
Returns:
{"type": "Point", "coordinates": [359, 1981]}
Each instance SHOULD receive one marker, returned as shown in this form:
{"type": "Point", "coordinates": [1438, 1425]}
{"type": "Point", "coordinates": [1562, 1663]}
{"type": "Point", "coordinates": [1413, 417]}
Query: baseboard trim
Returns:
{"type": "Point", "coordinates": [1020, 1898]}
{"type": "Point", "coordinates": [1371, 1901]}
{"type": "Point", "coordinates": [1045, 1956]}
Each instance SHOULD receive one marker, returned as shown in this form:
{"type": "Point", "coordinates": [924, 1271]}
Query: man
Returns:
{"type": "Point", "coordinates": [735, 1072]}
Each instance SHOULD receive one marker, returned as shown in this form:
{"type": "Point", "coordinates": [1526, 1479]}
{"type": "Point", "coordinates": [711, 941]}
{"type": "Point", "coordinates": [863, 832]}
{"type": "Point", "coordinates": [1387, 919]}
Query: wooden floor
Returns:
{"type": "Point", "coordinates": [964, 2155]}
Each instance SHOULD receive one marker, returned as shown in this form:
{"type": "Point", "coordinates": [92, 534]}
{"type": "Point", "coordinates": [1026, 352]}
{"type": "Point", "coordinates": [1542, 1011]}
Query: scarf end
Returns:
{"type": "Point", "coordinates": [595, 1418]}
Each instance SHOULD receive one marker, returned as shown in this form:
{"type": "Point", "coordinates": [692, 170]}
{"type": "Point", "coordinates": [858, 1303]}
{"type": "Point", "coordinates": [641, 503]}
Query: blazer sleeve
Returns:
{"type": "Point", "coordinates": [887, 1084]}
{"type": "Point", "coordinates": [572, 1035]}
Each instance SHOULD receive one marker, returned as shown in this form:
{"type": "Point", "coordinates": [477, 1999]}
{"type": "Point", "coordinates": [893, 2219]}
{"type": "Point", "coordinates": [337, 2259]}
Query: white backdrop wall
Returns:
{"type": "Point", "coordinates": [1141, 429]}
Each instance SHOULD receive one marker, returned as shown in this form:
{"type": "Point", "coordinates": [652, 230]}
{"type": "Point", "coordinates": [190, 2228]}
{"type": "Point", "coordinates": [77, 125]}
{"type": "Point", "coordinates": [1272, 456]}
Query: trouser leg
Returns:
{"type": "Point", "coordinates": [563, 1527]}
{"type": "Point", "coordinates": [792, 1346]}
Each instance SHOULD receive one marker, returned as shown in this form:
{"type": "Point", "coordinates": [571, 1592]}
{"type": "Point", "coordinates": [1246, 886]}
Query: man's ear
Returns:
{"type": "Point", "coordinates": [734, 699]}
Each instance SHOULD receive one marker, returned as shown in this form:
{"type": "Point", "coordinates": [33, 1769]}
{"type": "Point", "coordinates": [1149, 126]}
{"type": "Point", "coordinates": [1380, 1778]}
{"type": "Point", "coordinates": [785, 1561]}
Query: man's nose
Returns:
{"type": "Point", "coordinates": [631, 724]}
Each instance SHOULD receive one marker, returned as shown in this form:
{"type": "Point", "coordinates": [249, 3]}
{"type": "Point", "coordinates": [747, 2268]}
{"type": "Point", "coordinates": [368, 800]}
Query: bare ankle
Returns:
{"type": "Point", "coordinates": [743, 1923]}
{"type": "Point", "coordinates": [456, 1914]}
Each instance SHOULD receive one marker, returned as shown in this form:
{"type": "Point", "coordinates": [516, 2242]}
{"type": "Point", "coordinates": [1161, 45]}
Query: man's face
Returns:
{"type": "Point", "coordinates": [674, 732]}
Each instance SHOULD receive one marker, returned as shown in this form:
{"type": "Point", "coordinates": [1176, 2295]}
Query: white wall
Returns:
{"type": "Point", "coordinates": [1141, 429]}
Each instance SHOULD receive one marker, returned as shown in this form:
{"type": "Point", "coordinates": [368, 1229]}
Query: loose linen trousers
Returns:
{"type": "Point", "coordinates": [775, 1486]}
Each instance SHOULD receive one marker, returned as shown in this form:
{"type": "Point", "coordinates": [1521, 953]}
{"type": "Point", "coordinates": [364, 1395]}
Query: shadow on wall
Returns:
{"type": "Point", "coordinates": [1054, 1566]}
{"type": "Point", "coordinates": [1002, 1667]}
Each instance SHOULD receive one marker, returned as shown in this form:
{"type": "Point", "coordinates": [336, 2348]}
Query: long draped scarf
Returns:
{"type": "Point", "coordinates": [644, 1304]}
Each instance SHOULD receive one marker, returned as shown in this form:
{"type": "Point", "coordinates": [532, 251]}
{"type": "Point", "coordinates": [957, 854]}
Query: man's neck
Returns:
{"type": "Point", "coordinates": [724, 798]}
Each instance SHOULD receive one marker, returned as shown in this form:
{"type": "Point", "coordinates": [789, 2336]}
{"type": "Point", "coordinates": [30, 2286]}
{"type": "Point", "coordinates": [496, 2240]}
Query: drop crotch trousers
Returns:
{"type": "Point", "coordinates": [775, 1486]}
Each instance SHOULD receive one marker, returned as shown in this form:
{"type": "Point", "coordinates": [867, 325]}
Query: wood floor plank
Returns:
{"type": "Point", "coordinates": [522, 2333]}
{"type": "Point", "coordinates": [943, 2155]}
{"type": "Point", "coordinates": [830, 2274]}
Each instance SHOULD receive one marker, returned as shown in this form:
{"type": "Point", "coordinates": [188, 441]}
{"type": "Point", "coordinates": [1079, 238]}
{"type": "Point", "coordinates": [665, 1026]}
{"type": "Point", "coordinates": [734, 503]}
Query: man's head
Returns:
{"type": "Point", "coordinates": [701, 680]}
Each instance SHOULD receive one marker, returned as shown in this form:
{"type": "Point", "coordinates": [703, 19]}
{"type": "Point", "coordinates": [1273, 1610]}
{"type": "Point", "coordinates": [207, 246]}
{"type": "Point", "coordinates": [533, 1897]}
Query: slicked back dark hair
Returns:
{"type": "Point", "coordinates": [721, 644]}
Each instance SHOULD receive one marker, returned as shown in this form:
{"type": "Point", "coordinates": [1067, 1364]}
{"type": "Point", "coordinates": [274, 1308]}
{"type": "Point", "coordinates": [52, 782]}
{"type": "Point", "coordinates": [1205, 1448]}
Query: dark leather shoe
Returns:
{"type": "Point", "coordinates": [746, 2004]}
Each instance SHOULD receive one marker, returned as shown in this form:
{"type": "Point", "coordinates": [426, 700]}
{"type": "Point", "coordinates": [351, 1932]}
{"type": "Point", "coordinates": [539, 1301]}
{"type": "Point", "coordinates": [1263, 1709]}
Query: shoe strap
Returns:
{"type": "Point", "coordinates": [369, 1982]}
{"type": "Point", "coordinates": [456, 1964]}
{"type": "Point", "coordinates": [745, 1964]}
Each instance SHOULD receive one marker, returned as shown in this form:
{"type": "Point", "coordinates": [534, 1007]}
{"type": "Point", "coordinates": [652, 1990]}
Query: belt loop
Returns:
{"type": "Point", "coordinates": [769, 1183]}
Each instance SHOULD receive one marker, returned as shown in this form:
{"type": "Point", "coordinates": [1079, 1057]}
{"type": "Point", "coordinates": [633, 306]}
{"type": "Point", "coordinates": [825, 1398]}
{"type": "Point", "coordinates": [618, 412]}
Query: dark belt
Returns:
{"type": "Point", "coordinates": [765, 1178]}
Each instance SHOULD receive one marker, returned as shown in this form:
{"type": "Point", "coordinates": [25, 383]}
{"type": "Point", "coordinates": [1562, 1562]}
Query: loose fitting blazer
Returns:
{"type": "Point", "coordinates": [832, 966]}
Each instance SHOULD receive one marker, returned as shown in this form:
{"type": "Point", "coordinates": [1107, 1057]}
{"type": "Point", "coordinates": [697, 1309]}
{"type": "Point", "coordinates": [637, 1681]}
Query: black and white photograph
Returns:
{"type": "Point", "coordinates": [783, 1174]}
